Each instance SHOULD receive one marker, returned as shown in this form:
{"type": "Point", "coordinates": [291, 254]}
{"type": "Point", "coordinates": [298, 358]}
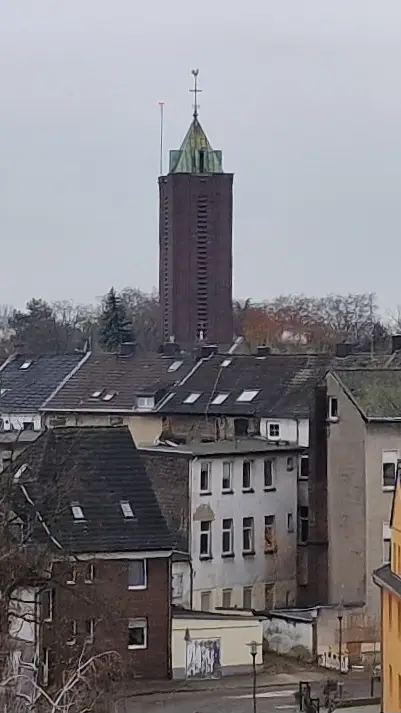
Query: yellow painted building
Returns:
{"type": "Point", "coordinates": [388, 578]}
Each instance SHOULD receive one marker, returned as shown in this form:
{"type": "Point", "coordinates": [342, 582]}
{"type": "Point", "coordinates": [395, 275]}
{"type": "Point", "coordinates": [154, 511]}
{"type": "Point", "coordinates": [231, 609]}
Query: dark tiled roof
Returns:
{"type": "Point", "coordinates": [384, 577]}
{"type": "Point", "coordinates": [97, 468]}
{"type": "Point", "coordinates": [25, 390]}
{"type": "Point", "coordinates": [285, 385]}
{"type": "Point", "coordinates": [123, 376]}
{"type": "Point", "coordinates": [377, 392]}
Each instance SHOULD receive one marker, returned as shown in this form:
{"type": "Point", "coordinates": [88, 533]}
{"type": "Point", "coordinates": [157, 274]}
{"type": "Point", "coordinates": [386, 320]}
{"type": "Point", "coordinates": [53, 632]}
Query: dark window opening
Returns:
{"type": "Point", "coordinates": [241, 426]}
{"type": "Point", "coordinates": [304, 469]}
{"type": "Point", "coordinates": [303, 524]}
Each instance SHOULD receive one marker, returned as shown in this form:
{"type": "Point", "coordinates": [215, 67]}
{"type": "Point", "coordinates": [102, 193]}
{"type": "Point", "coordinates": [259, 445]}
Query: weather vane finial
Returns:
{"type": "Point", "coordinates": [195, 91]}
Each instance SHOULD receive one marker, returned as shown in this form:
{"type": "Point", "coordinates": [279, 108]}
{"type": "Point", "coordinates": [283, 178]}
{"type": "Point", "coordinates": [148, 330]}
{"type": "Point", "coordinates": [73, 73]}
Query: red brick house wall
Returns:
{"type": "Point", "coordinates": [111, 604]}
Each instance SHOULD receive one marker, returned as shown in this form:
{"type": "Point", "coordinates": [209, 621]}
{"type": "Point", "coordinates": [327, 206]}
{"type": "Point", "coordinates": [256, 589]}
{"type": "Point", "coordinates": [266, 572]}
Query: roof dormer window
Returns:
{"type": "Point", "coordinates": [145, 402]}
{"type": "Point", "coordinates": [247, 395]}
{"type": "Point", "coordinates": [127, 509]}
{"type": "Point", "coordinates": [192, 398]}
{"type": "Point", "coordinates": [175, 366]}
{"type": "Point", "coordinates": [26, 365]}
{"type": "Point", "coordinates": [219, 399]}
{"type": "Point", "coordinates": [77, 511]}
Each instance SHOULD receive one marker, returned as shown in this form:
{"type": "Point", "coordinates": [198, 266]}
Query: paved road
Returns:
{"type": "Point", "coordinates": [213, 702]}
{"type": "Point", "coordinates": [232, 701]}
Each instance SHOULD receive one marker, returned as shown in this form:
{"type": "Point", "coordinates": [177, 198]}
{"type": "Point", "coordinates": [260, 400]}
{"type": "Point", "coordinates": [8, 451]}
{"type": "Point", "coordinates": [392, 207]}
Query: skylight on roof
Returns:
{"type": "Point", "coordinates": [77, 511]}
{"type": "Point", "coordinates": [191, 398]}
{"type": "Point", "coordinates": [26, 365]}
{"type": "Point", "coordinates": [127, 509]}
{"type": "Point", "coordinates": [247, 395]}
{"type": "Point", "coordinates": [108, 396]}
{"type": "Point", "coordinates": [96, 394]}
{"type": "Point", "coordinates": [175, 366]}
{"type": "Point", "coordinates": [219, 399]}
{"type": "Point", "coordinates": [226, 362]}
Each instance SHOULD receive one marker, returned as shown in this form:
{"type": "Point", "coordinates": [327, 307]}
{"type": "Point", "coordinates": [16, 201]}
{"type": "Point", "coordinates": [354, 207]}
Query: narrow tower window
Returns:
{"type": "Point", "coordinates": [202, 161]}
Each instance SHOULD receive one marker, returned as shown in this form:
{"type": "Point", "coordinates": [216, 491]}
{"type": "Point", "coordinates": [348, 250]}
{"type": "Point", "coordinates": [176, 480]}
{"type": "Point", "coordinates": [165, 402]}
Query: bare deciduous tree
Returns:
{"type": "Point", "coordinates": [28, 552]}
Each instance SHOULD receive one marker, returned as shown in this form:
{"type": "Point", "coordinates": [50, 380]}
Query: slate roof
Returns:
{"type": "Point", "coordinates": [376, 392]}
{"type": "Point", "coordinates": [24, 390]}
{"type": "Point", "coordinates": [123, 376]}
{"type": "Point", "coordinates": [285, 385]}
{"type": "Point", "coordinates": [96, 468]}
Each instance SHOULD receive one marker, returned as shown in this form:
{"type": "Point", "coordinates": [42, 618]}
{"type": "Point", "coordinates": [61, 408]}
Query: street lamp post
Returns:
{"type": "Point", "coordinates": [254, 650]}
{"type": "Point", "coordinates": [340, 636]}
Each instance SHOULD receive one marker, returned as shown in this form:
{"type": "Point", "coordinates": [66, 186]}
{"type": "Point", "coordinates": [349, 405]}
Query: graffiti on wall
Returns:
{"type": "Point", "coordinates": [202, 659]}
{"type": "Point", "coordinates": [329, 657]}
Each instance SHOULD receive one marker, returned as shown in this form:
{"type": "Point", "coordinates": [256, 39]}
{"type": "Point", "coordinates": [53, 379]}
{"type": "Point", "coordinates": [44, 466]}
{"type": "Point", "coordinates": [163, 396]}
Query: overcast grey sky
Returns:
{"type": "Point", "coordinates": [303, 96]}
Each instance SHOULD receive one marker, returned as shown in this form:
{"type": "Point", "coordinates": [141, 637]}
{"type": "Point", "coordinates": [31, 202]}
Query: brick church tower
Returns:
{"type": "Point", "coordinates": [195, 242]}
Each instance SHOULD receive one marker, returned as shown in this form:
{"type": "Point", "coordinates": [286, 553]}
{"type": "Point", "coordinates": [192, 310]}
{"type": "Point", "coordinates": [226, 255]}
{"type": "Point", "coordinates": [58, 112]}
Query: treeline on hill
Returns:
{"type": "Point", "coordinates": [287, 323]}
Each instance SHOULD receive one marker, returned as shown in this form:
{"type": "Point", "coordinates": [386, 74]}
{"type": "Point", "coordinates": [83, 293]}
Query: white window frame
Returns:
{"type": "Point", "coordinates": [205, 465]}
{"type": "Point", "coordinates": [50, 594]}
{"type": "Point", "coordinates": [386, 538]}
{"type": "Point", "coordinates": [248, 528]}
{"type": "Point", "coordinates": [205, 530]}
{"type": "Point", "coordinates": [247, 395]}
{"type": "Point", "coordinates": [230, 530]}
{"type": "Point", "coordinates": [247, 488]}
{"type": "Point", "coordinates": [145, 575]}
{"type": "Point", "coordinates": [273, 473]}
{"type": "Point", "coordinates": [74, 631]}
{"type": "Point", "coordinates": [302, 459]}
{"type": "Point", "coordinates": [175, 365]}
{"type": "Point", "coordinates": [90, 568]}
{"type": "Point", "coordinates": [273, 425]}
{"type": "Point", "coordinates": [270, 534]}
{"type": "Point", "coordinates": [192, 397]}
{"type": "Point", "coordinates": [73, 572]}
{"type": "Point", "coordinates": [127, 510]}
{"type": "Point", "coordinates": [330, 402]}
{"type": "Point", "coordinates": [227, 466]}
{"type": "Point", "coordinates": [219, 399]}
{"type": "Point", "coordinates": [89, 637]}
{"type": "Point", "coordinates": [45, 666]}
{"type": "Point", "coordinates": [77, 512]}
{"type": "Point", "coordinates": [139, 623]}
{"type": "Point", "coordinates": [387, 458]}
{"type": "Point", "coordinates": [145, 403]}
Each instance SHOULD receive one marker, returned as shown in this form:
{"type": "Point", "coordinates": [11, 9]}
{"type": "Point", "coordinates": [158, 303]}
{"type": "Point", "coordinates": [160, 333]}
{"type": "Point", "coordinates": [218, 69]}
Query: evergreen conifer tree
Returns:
{"type": "Point", "coordinates": [114, 327]}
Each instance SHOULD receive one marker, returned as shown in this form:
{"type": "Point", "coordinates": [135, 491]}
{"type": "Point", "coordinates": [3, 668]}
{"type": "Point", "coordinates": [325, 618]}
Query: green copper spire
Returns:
{"type": "Point", "coordinates": [196, 154]}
